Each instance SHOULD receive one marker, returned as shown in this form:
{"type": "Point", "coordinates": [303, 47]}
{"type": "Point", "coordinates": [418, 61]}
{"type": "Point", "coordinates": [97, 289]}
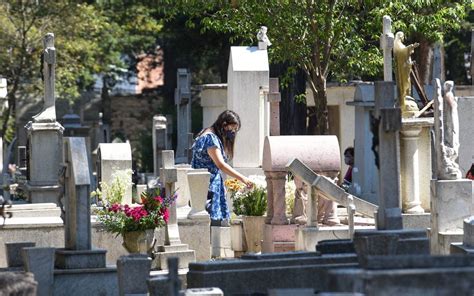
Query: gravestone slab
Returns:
{"type": "Point", "coordinates": [247, 74]}
{"type": "Point", "coordinates": [113, 157]}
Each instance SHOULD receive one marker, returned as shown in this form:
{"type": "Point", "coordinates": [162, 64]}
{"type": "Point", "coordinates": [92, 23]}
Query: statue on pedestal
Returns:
{"type": "Point", "coordinates": [263, 41]}
{"type": "Point", "coordinates": [404, 64]}
{"type": "Point", "coordinates": [447, 132]}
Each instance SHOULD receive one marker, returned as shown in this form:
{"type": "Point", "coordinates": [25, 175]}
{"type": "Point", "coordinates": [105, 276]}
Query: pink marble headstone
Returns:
{"type": "Point", "coordinates": [319, 153]}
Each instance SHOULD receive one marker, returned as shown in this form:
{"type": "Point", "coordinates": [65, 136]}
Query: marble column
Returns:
{"type": "Point", "coordinates": [410, 167]}
{"type": "Point", "coordinates": [276, 196]}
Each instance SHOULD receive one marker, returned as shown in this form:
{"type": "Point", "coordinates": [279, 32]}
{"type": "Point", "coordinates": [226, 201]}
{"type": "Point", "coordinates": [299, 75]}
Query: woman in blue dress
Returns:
{"type": "Point", "coordinates": [212, 148]}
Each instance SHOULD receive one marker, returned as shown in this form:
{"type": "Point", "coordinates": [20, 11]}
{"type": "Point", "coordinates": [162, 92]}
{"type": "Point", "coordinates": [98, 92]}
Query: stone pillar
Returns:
{"type": "Point", "coordinates": [172, 246]}
{"type": "Point", "coordinates": [386, 44]}
{"type": "Point", "coordinates": [159, 141]}
{"type": "Point", "coordinates": [45, 140]}
{"type": "Point", "coordinates": [389, 214]}
{"type": "Point", "coordinates": [274, 97]}
{"type": "Point", "coordinates": [78, 253]}
{"type": "Point", "coordinates": [410, 168]}
{"type": "Point", "coordinates": [277, 184]}
{"type": "Point", "coordinates": [168, 177]}
{"type": "Point", "coordinates": [183, 104]}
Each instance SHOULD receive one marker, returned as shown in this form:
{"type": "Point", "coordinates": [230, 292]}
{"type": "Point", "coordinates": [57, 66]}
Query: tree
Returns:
{"type": "Point", "coordinates": [89, 37]}
{"type": "Point", "coordinates": [78, 30]}
{"type": "Point", "coordinates": [327, 39]}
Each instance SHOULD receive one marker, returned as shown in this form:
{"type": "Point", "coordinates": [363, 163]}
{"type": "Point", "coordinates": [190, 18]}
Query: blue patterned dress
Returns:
{"type": "Point", "coordinates": [218, 208]}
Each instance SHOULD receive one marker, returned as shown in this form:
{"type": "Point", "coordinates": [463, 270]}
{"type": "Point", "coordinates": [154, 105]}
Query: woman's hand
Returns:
{"type": "Point", "coordinates": [247, 182]}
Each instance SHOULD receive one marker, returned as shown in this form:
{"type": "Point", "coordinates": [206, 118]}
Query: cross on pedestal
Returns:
{"type": "Point", "coordinates": [183, 104]}
{"type": "Point", "coordinates": [386, 44]}
{"type": "Point", "coordinates": [168, 176]}
{"type": "Point", "coordinates": [389, 118]}
{"type": "Point", "coordinates": [48, 113]}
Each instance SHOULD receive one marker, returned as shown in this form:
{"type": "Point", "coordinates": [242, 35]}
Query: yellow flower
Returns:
{"type": "Point", "coordinates": [233, 185]}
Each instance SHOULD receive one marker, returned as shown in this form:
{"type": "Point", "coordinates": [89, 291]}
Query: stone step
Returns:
{"type": "Point", "coordinates": [35, 210]}
{"type": "Point", "coordinates": [161, 259]}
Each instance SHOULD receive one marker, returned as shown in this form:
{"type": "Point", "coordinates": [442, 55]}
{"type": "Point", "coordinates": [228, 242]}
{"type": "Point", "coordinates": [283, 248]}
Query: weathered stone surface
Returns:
{"type": "Point", "coordinates": [204, 292]}
{"type": "Point", "coordinates": [411, 281]}
{"type": "Point", "coordinates": [220, 242]}
{"type": "Point", "coordinates": [248, 71]}
{"type": "Point", "coordinates": [14, 257]}
{"type": "Point", "coordinates": [133, 271]}
{"type": "Point", "coordinates": [279, 150]}
{"type": "Point", "coordinates": [377, 243]}
{"type": "Point", "coordinates": [40, 262]}
{"type": "Point", "coordinates": [114, 157]}
{"type": "Point", "coordinates": [80, 259]}
{"type": "Point", "coordinates": [340, 246]}
{"type": "Point", "coordinates": [451, 202]}
{"type": "Point", "coordinates": [80, 282]}
{"type": "Point", "coordinates": [257, 276]}
{"type": "Point", "coordinates": [45, 142]}
{"type": "Point", "coordinates": [291, 292]}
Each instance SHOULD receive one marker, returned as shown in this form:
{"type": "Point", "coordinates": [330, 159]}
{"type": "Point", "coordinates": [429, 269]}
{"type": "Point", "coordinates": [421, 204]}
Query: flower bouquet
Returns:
{"type": "Point", "coordinates": [251, 204]}
{"type": "Point", "coordinates": [134, 221]}
{"type": "Point", "coordinates": [248, 201]}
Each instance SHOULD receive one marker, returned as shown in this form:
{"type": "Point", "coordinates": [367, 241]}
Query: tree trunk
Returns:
{"type": "Point", "coordinates": [321, 107]}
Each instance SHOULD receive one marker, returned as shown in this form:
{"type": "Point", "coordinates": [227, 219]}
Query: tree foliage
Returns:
{"type": "Point", "coordinates": [332, 39]}
{"type": "Point", "coordinates": [89, 37]}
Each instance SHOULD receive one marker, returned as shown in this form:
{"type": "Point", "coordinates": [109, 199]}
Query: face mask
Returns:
{"type": "Point", "coordinates": [230, 135]}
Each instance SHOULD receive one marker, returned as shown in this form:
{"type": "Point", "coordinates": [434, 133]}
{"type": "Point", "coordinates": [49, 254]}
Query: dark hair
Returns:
{"type": "Point", "coordinates": [349, 150]}
{"type": "Point", "coordinates": [225, 118]}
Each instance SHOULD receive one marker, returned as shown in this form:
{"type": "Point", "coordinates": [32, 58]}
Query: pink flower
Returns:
{"type": "Point", "coordinates": [158, 199]}
{"type": "Point", "coordinates": [115, 208]}
{"type": "Point", "coordinates": [166, 215]}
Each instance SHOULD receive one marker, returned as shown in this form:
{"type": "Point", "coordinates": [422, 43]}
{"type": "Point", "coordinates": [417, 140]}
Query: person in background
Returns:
{"type": "Point", "coordinates": [470, 173]}
{"type": "Point", "coordinates": [212, 147]}
{"type": "Point", "coordinates": [348, 160]}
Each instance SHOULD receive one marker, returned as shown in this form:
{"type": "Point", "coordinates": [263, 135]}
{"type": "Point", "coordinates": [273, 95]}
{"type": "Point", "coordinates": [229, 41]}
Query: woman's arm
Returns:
{"type": "Point", "coordinates": [216, 156]}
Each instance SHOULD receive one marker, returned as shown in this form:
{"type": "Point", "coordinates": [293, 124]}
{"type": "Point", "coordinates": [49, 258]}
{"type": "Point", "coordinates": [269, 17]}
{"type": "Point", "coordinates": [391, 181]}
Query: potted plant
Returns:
{"type": "Point", "coordinates": [136, 223]}
{"type": "Point", "coordinates": [251, 204]}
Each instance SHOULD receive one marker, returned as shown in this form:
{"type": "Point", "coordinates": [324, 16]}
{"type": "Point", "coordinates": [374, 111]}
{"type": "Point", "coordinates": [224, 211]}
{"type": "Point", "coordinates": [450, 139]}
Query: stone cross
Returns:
{"type": "Point", "coordinates": [159, 141]}
{"type": "Point", "coordinates": [389, 214]}
{"type": "Point", "coordinates": [182, 100]}
{"type": "Point", "coordinates": [386, 44]}
{"type": "Point", "coordinates": [77, 207]}
{"type": "Point", "coordinates": [168, 177]}
{"type": "Point", "coordinates": [274, 97]}
{"type": "Point", "coordinates": [48, 113]}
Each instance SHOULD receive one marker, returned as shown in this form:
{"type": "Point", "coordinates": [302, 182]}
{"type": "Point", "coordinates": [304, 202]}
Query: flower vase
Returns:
{"type": "Point", "coordinates": [141, 241]}
{"type": "Point", "coordinates": [253, 229]}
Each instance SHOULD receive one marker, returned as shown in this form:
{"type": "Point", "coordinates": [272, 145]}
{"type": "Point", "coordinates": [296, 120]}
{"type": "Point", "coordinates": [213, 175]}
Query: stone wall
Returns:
{"type": "Point", "coordinates": [131, 118]}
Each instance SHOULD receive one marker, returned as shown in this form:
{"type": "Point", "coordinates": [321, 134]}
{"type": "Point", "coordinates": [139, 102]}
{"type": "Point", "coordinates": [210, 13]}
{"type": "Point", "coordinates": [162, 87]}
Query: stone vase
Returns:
{"type": "Point", "coordinates": [253, 230]}
{"type": "Point", "coordinates": [142, 241]}
{"type": "Point", "coordinates": [237, 236]}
